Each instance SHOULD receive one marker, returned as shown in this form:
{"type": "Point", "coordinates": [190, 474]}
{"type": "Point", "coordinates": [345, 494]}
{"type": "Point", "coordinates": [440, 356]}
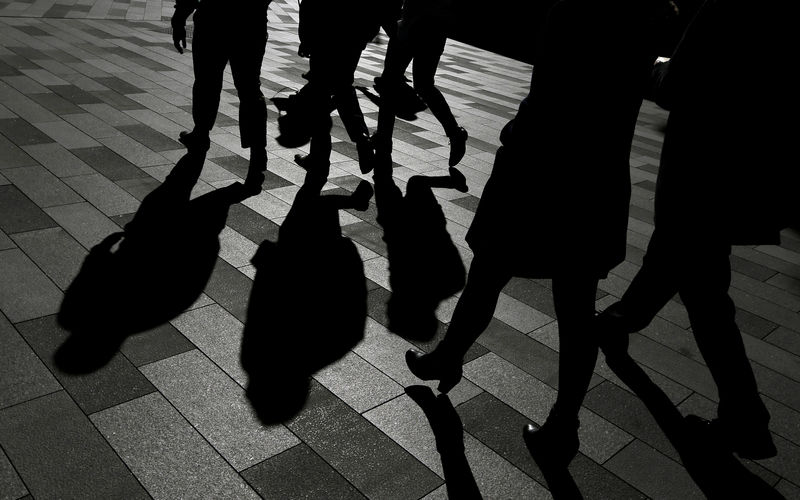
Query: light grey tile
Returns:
{"type": "Point", "coordinates": [55, 251]}
{"type": "Point", "coordinates": [235, 249]}
{"type": "Point", "coordinates": [218, 408]}
{"type": "Point", "coordinates": [84, 222]}
{"type": "Point", "coordinates": [23, 376]}
{"type": "Point", "coordinates": [218, 334]}
{"type": "Point", "coordinates": [168, 456]}
{"type": "Point", "coordinates": [59, 454]}
{"type": "Point", "coordinates": [133, 151]}
{"type": "Point", "coordinates": [25, 292]}
{"type": "Point", "coordinates": [91, 125]}
{"type": "Point", "coordinates": [66, 135]}
{"type": "Point", "coordinates": [104, 194]}
{"type": "Point", "coordinates": [58, 160]}
{"type": "Point", "coordinates": [42, 187]}
{"type": "Point", "coordinates": [358, 383]}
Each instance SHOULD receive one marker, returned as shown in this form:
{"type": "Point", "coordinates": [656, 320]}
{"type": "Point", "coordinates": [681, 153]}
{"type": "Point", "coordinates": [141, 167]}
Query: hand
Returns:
{"type": "Point", "coordinates": [179, 35]}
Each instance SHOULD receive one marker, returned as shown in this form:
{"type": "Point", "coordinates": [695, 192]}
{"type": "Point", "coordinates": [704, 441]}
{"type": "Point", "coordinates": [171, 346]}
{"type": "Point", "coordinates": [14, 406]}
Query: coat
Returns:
{"type": "Point", "coordinates": [725, 172]}
{"type": "Point", "coordinates": [557, 200]}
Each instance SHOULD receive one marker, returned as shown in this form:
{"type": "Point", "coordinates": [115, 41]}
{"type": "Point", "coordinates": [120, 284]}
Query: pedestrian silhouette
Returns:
{"type": "Point", "coordinates": [725, 178]}
{"type": "Point", "coordinates": [163, 262]}
{"type": "Point", "coordinates": [554, 209]}
{"type": "Point", "coordinates": [421, 37]}
{"type": "Point", "coordinates": [424, 264]}
{"type": "Point", "coordinates": [308, 305]}
{"type": "Point", "coordinates": [333, 35]}
{"type": "Point", "coordinates": [223, 34]}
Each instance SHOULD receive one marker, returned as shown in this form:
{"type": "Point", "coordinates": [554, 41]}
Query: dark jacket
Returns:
{"type": "Point", "coordinates": [557, 200]}
{"type": "Point", "coordinates": [725, 170]}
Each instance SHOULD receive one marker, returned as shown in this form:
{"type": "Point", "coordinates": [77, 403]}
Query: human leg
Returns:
{"type": "Point", "coordinates": [209, 58]}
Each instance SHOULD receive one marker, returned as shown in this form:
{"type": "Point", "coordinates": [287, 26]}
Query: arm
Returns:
{"type": "Point", "coordinates": [183, 9]}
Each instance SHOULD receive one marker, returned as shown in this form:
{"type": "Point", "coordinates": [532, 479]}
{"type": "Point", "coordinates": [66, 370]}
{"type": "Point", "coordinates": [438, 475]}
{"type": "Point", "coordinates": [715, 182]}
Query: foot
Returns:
{"type": "Point", "coordinates": [554, 444]}
{"type": "Point", "coordinates": [432, 367]}
{"type": "Point", "coordinates": [362, 195]}
{"type": "Point", "coordinates": [303, 160]}
{"type": "Point", "coordinates": [194, 141]}
{"type": "Point", "coordinates": [613, 329]}
{"type": "Point", "coordinates": [458, 179]}
{"type": "Point", "coordinates": [458, 146]}
{"type": "Point", "coordinates": [366, 155]}
{"type": "Point", "coordinates": [753, 442]}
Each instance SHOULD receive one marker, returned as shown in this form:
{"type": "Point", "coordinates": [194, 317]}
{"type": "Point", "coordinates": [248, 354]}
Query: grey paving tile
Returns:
{"type": "Point", "coordinates": [298, 473]}
{"type": "Point", "coordinates": [18, 213]}
{"type": "Point", "coordinates": [218, 408]}
{"type": "Point", "coordinates": [185, 465]}
{"type": "Point", "coordinates": [26, 292]}
{"type": "Point", "coordinates": [785, 339]}
{"type": "Point", "coordinates": [12, 156]}
{"type": "Point", "coordinates": [59, 454]}
{"type": "Point", "coordinates": [791, 285]}
{"type": "Point", "coordinates": [109, 114]}
{"type": "Point", "coordinates": [55, 252]}
{"type": "Point", "coordinates": [218, 334]}
{"type": "Point", "coordinates": [22, 133]}
{"type": "Point", "coordinates": [5, 242]}
{"type": "Point", "coordinates": [84, 222]}
{"type": "Point", "coordinates": [252, 225]}
{"type": "Point", "coordinates": [11, 486]}
{"type": "Point", "coordinates": [109, 163]}
{"type": "Point", "coordinates": [90, 125]}
{"type": "Point", "coordinates": [66, 135]}
{"type": "Point", "coordinates": [133, 151]}
{"type": "Point", "coordinates": [599, 438]}
{"type": "Point", "coordinates": [533, 294]}
{"type": "Point", "coordinates": [230, 289]}
{"type": "Point", "coordinates": [365, 456]}
{"type": "Point", "coordinates": [788, 490]}
{"type": "Point", "coordinates": [58, 160]}
{"type": "Point", "coordinates": [753, 325]}
{"type": "Point", "coordinates": [367, 234]}
{"type": "Point", "coordinates": [766, 309]}
{"type": "Point", "coordinates": [42, 187]}
{"type": "Point", "coordinates": [22, 375]}
{"type": "Point", "coordinates": [519, 315]}
{"type": "Point", "coordinates": [103, 194]}
{"type": "Point", "coordinates": [55, 103]}
{"type": "Point", "coordinates": [139, 188]}
{"type": "Point", "coordinates": [235, 249]}
{"type": "Point", "coordinates": [155, 344]}
{"type": "Point", "coordinates": [653, 473]}
{"type": "Point", "coordinates": [787, 463]}
{"type": "Point", "coordinates": [150, 138]}
{"type": "Point", "coordinates": [116, 382]}
{"type": "Point", "coordinates": [777, 386]}
{"type": "Point", "coordinates": [358, 383]}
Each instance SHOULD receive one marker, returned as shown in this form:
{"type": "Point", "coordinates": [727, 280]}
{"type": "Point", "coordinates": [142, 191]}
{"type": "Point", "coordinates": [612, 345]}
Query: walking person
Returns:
{"type": "Point", "coordinates": [556, 204]}
{"type": "Point", "coordinates": [235, 34]}
{"type": "Point", "coordinates": [420, 37]}
{"type": "Point", "coordinates": [725, 178]}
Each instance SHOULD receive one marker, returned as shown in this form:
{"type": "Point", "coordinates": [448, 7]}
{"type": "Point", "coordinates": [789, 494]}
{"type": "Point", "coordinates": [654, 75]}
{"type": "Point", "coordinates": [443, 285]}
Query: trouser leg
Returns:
{"type": "Point", "coordinates": [209, 57]}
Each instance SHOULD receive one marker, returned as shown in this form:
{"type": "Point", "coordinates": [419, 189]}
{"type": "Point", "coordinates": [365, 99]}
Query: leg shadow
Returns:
{"type": "Point", "coordinates": [308, 306]}
{"type": "Point", "coordinates": [148, 274]}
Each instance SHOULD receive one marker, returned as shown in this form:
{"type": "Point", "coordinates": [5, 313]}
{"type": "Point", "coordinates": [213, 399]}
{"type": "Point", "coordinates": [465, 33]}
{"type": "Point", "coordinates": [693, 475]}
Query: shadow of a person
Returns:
{"type": "Point", "coordinates": [163, 262]}
{"type": "Point", "coordinates": [424, 264]}
{"type": "Point", "coordinates": [713, 468]}
{"type": "Point", "coordinates": [308, 306]}
{"type": "Point", "coordinates": [449, 433]}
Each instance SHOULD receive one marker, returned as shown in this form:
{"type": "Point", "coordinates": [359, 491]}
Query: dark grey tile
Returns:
{"type": "Point", "coordinates": [56, 104]}
{"type": "Point", "coordinates": [109, 163]}
{"type": "Point", "coordinates": [118, 85]}
{"type": "Point", "coordinates": [25, 291]}
{"type": "Point", "coordinates": [532, 293]}
{"type": "Point", "coordinates": [750, 268]}
{"type": "Point", "coordinates": [116, 100]}
{"type": "Point", "coordinates": [151, 138]}
{"type": "Point", "coordinates": [230, 288]}
{"type": "Point", "coordinates": [22, 133]}
{"type": "Point", "coordinates": [653, 473]}
{"type": "Point", "coordinates": [138, 188]}
{"type": "Point", "coordinates": [347, 441]}
{"type": "Point", "coordinates": [12, 156]}
{"type": "Point", "coordinates": [75, 95]}
{"type": "Point", "coordinates": [298, 473]}
{"type": "Point", "coordinates": [116, 382]}
{"type": "Point", "coordinates": [367, 235]}
{"type": "Point", "coordinates": [753, 325]}
{"type": "Point", "coordinates": [55, 252]}
{"type": "Point", "coordinates": [155, 344]}
{"type": "Point", "coordinates": [59, 454]}
{"type": "Point", "coordinates": [10, 483]}
{"type": "Point", "coordinates": [469, 202]}
{"type": "Point", "coordinates": [251, 224]}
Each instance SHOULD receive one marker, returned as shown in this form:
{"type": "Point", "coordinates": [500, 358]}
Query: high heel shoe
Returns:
{"type": "Point", "coordinates": [432, 367]}
{"type": "Point", "coordinates": [555, 443]}
{"type": "Point", "coordinates": [458, 146]}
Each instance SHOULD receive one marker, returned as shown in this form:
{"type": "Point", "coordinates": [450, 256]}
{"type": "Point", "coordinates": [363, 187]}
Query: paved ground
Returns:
{"type": "Point", "coordinates": [92, 97]}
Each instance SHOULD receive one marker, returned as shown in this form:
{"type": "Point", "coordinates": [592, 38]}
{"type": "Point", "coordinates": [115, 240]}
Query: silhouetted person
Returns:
{"type": "Point", "coordinates": [308, 306]}
{"type": "Point", "coordinates": [725, 178]}
{"type": "Point", "coordinates": [164, 260]}
{"type": "Point", "coordinates": [227, 33]}
{"type": "Point", "coordinates": [421, 37]}
{"type": "Point", "coordinates": [333, 34]}
{"type": "Point", "coordinates": [424, 264]}
{"type": "Point", "coordinates": [556, 205]}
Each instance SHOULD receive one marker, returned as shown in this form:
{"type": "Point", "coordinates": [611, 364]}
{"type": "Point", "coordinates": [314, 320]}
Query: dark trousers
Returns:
{"type": "Point", "coordinates": [700, 272]}
{"type": "Point", "coordinates": [241, 41]}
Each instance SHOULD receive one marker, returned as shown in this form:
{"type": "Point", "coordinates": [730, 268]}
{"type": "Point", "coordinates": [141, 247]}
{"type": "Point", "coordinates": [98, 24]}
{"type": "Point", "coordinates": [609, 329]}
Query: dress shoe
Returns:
{"type": "Point", "coordinates": [458, 146]}
{"type": "Point", "coordinates": [366, 155]}
{"type": "Point", "coordinates": [434, 367]}
{"type": "Point", "coordinates": [753, 442]}
{"type": "Point", "coordinates": [613, 329]}
{"type": "Point", "coordinates": [194, 141]}
{"type": "Point", "coordinates": [554, 444]}
{"type": "Point", "coordinates": [458, 179]}
{"type": "Point", "coordinates": [362, 195]}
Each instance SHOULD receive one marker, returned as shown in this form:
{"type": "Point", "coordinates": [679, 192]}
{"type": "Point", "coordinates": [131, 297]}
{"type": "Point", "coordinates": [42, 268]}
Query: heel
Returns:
{"type": "Point", "coordinates": [447, 383]}
{"type": "Point", "coordinates": [432, 367]}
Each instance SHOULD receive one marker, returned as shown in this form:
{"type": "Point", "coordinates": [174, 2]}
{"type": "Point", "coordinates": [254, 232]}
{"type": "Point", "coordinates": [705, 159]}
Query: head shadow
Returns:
{"type": "Point", "coordinates": [308, 305]}
{"type": "Point", "coordinates": [147, 274]}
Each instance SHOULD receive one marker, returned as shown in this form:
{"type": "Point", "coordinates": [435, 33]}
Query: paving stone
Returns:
{"type": "Point", "coordinates": [42, 187]}
{"type": "Point", "coordinates": [155, 344]}
{"type": "Point", "coordinates": [230, 289]}
{"type": "Point", "coordinates": [366, 457]}
{"type": "Point", "coordinates": [12, 486]}
{"type": "Point", "coordinates": [5, 242]}
{"type": "Point", "coordinates": [83, 222]}
{"type": "Point", "coordinates": [19, 214]}
{"type": "Point", "coordinates": [519, 315]}
{"type": "Point", "coordinates": [218, 334]}
{"type": "Point", "coordinates": [150, 138]}
{"type": "Point", "coordinates": [115, 382]}
{"type": "Point", "coordinates": [55, 252]}
{"type": "Point", "coordinates": [653, 473]}
{"type": "Point", "coordinates": [22, 375]}
{"type": "Point", "coordinates": [186, 465]}
{"type": "Point", "coordinates": [66, 135]}
{"type": "Point", "coordinates": [55, 103]}
{"type": "Point", "coordinates": [103, 194]}
{"type": "Point", "coordinates": [26, 292]}
{"type": "Point", "coordinates": [133, 151]}
{"type": "Point", "coordinates": [58, 160]}
{"type": "Point", "coordinates": [90, 125]}
{"type": "Point", "coordinates": [218, 409]}
{"type": "Point", "coordinates": [139, 188]}
{"type": "Point", "coordinates": [298, 473]}
{"type": "Point", "coordinates": [235, 249]}
{"type": "Point", "coordinates": [251, 225]}
{"type": "Point", "coordinates": [58, 453]}
{"type": "Point", "coordinates": [788, 340]}
{"type": "Point", "coordinates": [110, 164]}
{"type": "Point", "coordinates": [777, 386]}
